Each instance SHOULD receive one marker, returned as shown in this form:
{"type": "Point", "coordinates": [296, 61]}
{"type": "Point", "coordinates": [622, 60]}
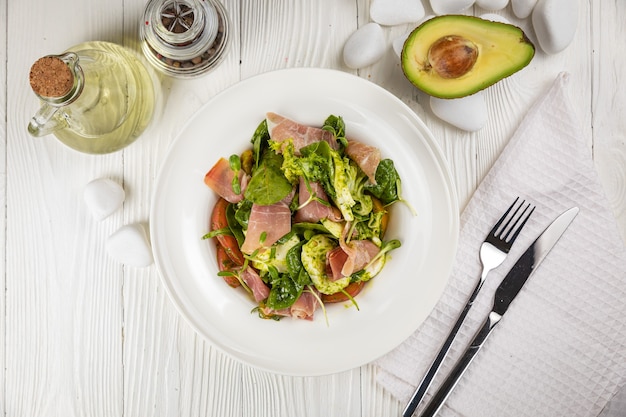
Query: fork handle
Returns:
{"type": "Point", "coordinates": [427, 381]}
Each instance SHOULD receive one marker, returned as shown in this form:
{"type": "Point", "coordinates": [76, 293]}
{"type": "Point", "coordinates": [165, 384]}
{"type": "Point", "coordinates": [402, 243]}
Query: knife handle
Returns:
{"type": "Point", "coordinates": [444, 391]}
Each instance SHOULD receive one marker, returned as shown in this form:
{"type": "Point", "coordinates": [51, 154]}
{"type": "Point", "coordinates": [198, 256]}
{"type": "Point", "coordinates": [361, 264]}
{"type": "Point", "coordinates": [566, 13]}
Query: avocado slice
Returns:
{"type": "Point", "coordinates": [452, 56]}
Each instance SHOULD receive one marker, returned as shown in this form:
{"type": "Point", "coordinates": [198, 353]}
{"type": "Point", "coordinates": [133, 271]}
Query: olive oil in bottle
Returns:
{"type": "Point", "coordinates": [96, 97]}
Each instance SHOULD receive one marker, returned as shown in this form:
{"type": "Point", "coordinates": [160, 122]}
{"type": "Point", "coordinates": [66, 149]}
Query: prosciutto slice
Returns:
{"type": "Point", "coordinates": [260, 291]}
{"type": "Point", "coordinates": [314, 211]}
{"type": "Point", "coordinates": [281, 128]}
{"type": "Point", "coordinates": [220, 179]}
{"type": "Point", "coordinates": [305, 306]}
{"type": "Point", "coordinates": [357, 254]}
{"type": "Point", "coordinates": [335, 260]}
{"type": "Point", "coordinates": [266, 225]}
{"type": "Point", "coordinates": [365, 156]}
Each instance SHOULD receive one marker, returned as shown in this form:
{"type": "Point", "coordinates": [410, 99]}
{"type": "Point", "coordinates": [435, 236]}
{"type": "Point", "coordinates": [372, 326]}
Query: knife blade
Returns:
{"type": "Point", "coordinates": [526, 264]}
{"type": "Point", "coordinates": [504, 295]}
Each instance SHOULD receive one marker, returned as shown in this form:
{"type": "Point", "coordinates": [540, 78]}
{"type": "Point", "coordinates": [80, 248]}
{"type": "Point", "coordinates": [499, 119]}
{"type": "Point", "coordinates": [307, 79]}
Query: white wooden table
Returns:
{"type": "Point", "coordinates": [81, 335]}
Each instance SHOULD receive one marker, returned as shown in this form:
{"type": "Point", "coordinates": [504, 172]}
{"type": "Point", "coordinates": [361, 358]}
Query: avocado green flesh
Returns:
{"type": "Point", "coordinates": [503, 49]}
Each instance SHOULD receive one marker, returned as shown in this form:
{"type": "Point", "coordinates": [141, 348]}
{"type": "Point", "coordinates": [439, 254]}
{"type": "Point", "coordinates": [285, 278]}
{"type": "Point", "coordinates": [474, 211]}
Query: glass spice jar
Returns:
{"type": "Point", "coordinates": [184, 38]}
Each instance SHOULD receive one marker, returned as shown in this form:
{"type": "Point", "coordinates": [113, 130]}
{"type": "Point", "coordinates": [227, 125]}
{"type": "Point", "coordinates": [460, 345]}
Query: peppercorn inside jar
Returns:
{"type": "Point", "coordinates": [184, 38]}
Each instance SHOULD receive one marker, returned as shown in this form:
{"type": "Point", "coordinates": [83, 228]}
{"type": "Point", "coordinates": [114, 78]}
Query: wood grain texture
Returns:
{"type": "Point", "coordinates": [81, 335]}
{"type": "Point", "coordinates": [63, 310]}
{"type": "Point", "coordinates": [3, 202]}
{"type": "Point", "coordinates": [608, 105]}
{"type": "Point", "coordinates": [285, 34]}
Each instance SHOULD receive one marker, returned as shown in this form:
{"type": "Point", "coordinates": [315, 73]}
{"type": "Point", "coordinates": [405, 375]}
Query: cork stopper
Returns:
{"type": "Point", "coordinates": [51, 77]}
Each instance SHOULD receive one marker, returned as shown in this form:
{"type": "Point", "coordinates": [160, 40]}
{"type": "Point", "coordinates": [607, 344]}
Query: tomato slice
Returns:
{"type": "Point", "coordinates": [229, 243]}
{"type": "Point", "coordinates": [353, 289]}
{"type": "Point", "coordinates": [226, 264]}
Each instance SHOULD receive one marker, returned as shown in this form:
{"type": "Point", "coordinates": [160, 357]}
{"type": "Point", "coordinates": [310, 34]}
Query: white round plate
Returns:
{"type": "Point", "coordinates": [391, 306]}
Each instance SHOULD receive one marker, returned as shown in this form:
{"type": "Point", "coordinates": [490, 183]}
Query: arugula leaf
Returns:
{"type": "Point", "coordinates": [387, 182]}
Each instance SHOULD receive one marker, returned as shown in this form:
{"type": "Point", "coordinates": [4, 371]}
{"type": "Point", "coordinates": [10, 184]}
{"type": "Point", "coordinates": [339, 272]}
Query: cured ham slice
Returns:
{"type": "Point", "coordinates": [266, 225]}
{"type": "Point", "coordinates": [357, 254]}
{"type": "Point", "coordinates": [314, 211]}
{"type": "Point", "coordinates": [335, 259]}
{"type": "Point", "coordinates": [260, 291]}
{"type": "Point", "coordinates": [305, 306]}
{"type": "Point", "coordinates": [220, 179]}
{"type": "Point", "coordinates": [366, 157]}
{"type": "Point", "coordinates": [281, 128]}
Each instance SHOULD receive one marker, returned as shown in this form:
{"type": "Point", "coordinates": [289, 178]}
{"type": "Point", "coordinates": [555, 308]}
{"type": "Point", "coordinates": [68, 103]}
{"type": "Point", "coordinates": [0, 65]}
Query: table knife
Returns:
{"type": "Point", "coordinates": [506, 292]}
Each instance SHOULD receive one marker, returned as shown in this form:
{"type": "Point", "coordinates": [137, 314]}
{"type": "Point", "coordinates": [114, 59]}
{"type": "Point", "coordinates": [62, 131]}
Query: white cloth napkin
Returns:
{"type": "Point", "coordinates": [560, 350]}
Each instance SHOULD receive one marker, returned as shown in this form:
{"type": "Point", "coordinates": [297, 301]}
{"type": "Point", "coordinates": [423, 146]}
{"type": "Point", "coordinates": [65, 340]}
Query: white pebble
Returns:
{"type": "Point", "coordinates": [398, 44]}
{"type": "Point", "coordinates": [103, 197]}
{"type": "Point", "coordinates": [555, 23]}
{"type": "Point", "coordinates": [492, 4]}
{"type": "Point", "coordinates": [365, 46]}
{"type": "Point", "coordinates": [441, 7]}
{"type": "Point", "coordinates": [130, 246]}
{"type": "Point", "coordinates": [523, 8]}
{"type": "Point", "coordinates": [396, 12]}
{"type": "Point", "coordinates": [467, 113]}
{"type": "Point", "coordinates": [494, 18]}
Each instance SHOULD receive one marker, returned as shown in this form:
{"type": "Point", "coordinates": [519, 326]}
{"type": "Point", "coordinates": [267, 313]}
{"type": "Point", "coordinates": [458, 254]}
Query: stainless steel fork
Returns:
{"type": "Point", "coordinates": [493, 251]}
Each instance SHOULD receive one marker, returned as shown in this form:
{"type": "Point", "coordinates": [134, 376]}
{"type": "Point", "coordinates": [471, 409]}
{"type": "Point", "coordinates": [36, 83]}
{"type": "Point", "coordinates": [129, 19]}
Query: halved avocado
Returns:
{"type": "Point", "coordinates": [453, 56]}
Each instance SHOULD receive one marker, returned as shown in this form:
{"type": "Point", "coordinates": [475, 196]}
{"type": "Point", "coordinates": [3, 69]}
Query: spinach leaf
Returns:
{"type": "Point", "coordinates": [295, 268]}
{"type": "Point", "coordinates": [242, 213]}
{"type": "Point", "coordinates": [268, 184]}
{"type": "Point", "coordinates": [234, 226]}
{"type": "Point", "coordinates": [387, 181]}
{"type": "Point", "coordinates": [259, 141]}
{"type": "Point", "coordinates": [286, 288]}
{"type": "Point", "coordinates": [307, 230]}
{"type": "Point", "coordinates": [284, 292]}
{"type": "Point", "coordinates": [337, 127]}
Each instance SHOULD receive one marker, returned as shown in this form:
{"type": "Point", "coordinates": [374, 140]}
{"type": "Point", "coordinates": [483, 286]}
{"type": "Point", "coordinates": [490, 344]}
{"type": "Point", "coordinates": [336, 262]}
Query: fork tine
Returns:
{"type": "Point", "coordinates": [509, 225]}
{"type": "Point", "coordinates": [504, 216]}
{"type": "Point", "coordinates": [519, 224]}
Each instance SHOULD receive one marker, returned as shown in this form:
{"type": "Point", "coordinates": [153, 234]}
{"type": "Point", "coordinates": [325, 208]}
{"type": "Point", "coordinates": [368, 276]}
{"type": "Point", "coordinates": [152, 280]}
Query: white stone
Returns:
{"type": "Point", "coordinates": [396, 12]}
{"type": "Point", "coordinates": [365, 46]}
{"type": "Point", "coordinates": [441, 7]}
{"type": "Point", "coordinates": [523, 8]}
{"type": "Point", "coordinates": [492, 4]}
{"type": "Point", "coordinates": [103, 197]}
{"type": "Point", "coordinates": [555, 24]}
{"type": "Point", "coordinates": [467, 113]}
{"type": "Point", "coordinates": [130, 245]}
{"type": "Point", "coordinates": [398, 44]}
{"type": "Point", "coordinates": [494, 18]}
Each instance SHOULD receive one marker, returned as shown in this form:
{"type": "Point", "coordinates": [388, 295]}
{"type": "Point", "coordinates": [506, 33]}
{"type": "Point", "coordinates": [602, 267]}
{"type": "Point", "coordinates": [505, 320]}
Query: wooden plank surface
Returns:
{"type": "Point", "coordinates": [83, 336]}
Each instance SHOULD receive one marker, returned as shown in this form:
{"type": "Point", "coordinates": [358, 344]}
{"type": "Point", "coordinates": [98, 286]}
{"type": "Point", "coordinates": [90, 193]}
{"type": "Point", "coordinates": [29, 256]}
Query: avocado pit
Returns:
{"type": "Point", "coordinates": [452, 56]}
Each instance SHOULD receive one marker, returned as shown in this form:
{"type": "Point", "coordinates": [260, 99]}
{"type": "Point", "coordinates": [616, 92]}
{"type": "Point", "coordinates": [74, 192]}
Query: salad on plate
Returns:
{"type": "Point", "coordinates": [301, 216]}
